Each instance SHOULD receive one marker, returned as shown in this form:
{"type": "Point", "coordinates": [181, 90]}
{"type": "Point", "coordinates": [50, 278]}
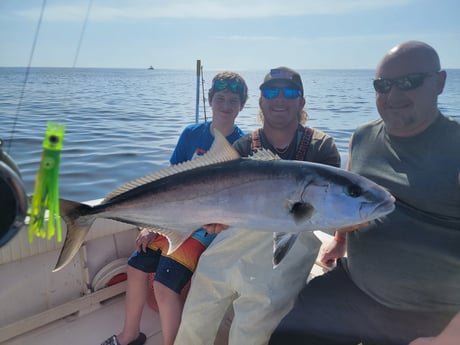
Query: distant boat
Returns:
{"type": "Point", "coordinates": [151, 67]}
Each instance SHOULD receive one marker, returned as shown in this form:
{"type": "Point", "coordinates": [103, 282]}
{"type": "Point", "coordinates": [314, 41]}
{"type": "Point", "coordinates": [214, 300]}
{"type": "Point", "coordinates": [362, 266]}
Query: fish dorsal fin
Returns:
{"type": "Point", "coordinates": [264, 155]}
{"type": "Point", "coordinates": [220, 151]}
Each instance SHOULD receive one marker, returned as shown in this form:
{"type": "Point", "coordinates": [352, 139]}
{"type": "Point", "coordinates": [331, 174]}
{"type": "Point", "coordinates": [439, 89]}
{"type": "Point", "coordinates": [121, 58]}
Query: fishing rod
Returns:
{"type": "Point", "coordinates": [13, 198]}
{"type": "Point", "coordinates": [14, 203]}
{"type": "Point", "coordinates": [199, 75]}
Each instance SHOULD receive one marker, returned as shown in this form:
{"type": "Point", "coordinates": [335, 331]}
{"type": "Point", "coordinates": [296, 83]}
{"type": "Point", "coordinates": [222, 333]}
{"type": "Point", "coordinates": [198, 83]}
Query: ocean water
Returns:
{"type": "Point", "coordinates": [124, 123]}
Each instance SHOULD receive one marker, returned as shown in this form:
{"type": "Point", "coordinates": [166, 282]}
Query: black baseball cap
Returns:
{"type": "Point", "coordinates": [283, 73]}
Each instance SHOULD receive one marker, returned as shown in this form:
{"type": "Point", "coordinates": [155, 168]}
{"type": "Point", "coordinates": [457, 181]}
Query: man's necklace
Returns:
{"type": "Point", "coordinates": [282, 151]}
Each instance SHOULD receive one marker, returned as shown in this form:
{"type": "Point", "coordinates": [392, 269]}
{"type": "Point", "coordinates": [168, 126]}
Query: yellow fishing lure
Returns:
{"type": "Point", "coordinates": [46, 194]}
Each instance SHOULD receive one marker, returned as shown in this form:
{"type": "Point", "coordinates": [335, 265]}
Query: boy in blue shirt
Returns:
{"type": "Point", "coordinates": [227, 97]}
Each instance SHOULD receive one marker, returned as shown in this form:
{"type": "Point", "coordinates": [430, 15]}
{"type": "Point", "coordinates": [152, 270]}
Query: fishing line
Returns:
{"type": "Point", "coordinates": [29, 64]}
{"type": "Point", "coordinates": [66, 98]}
{"type": "Point", "coordinates": [82, 33]}
{"type": "Point", "coordinates": [21, 96]}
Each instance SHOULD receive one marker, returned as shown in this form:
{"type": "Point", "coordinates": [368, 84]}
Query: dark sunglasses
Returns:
{"type": "Point", "coordinates": [405, 83]}
{"type": "Point", "coordinates": [273, 92]}
{"type": "Point", "coordinates": [233, 86]}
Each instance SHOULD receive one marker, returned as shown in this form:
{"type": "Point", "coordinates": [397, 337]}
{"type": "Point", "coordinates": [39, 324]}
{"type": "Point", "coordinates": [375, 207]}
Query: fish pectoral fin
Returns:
{"type": "Point", "coordinates": [282, 243]}
{"type": "Point", "coordinates": [175, 239]}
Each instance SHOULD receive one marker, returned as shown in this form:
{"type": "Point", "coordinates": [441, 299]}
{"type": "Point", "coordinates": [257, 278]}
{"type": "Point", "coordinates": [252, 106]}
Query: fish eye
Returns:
{"type": "Point", "coordinates": [354, 191]}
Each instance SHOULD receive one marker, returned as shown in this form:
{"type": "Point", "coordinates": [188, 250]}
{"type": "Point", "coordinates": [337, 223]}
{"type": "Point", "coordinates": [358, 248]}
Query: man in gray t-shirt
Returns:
{"type": "Point", "coordinates": [401, 280]}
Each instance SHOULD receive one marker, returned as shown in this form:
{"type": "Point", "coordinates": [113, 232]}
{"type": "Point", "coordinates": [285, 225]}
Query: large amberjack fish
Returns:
{"type": "Point", "coordinates": [259, 193]}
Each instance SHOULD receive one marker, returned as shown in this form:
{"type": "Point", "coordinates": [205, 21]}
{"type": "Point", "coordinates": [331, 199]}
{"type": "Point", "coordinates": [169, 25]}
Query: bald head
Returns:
{"type": "Point", "coordinates": [412, 72]}
{"type": "Point", "coordinates": [412, 57]}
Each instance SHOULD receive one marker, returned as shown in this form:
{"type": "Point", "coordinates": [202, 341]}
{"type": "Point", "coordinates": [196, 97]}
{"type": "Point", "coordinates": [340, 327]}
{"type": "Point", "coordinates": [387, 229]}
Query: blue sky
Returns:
{"type": "Point", "coordinates": [224, 34]}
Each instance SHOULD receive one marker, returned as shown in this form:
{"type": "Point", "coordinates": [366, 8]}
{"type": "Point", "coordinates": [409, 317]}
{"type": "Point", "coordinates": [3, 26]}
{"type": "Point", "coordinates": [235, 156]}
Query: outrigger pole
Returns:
{"type": "Point", "coordinates": [198, 74]}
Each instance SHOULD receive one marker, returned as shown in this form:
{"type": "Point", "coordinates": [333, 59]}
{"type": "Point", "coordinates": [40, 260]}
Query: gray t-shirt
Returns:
{"type": "Point", "coordinates": [410, 259]}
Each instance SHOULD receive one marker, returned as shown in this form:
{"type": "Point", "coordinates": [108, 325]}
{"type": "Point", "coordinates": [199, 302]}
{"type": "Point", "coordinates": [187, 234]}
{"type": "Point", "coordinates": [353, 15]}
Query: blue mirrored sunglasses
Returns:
{"type": "Point", "coordinates": [233, 86]}
{"type": "Point", "coordinates": [405, 83]}
{"type": "Point", "coordinates": [288, 92]}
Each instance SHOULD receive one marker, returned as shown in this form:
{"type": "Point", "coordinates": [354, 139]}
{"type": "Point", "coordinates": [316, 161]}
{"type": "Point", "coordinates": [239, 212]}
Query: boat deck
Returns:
{"type": "Point", "coordinates": [91, 328]}
{"type": "Point", "coordinates": [101, 319]}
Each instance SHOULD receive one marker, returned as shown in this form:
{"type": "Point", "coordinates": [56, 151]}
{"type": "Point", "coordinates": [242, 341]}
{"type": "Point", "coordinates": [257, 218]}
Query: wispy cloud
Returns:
{"type": "Point", "coordinates": [248, 38]}
{"type": "Point", "coordinates": [213, 9]}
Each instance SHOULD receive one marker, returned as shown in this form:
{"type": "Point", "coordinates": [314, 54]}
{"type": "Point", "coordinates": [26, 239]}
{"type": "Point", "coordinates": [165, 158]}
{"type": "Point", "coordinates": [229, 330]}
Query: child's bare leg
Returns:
{"type": "Point", "coordinates": [136, 296]}
{"type": "Point", "coordinates": [170, 305]}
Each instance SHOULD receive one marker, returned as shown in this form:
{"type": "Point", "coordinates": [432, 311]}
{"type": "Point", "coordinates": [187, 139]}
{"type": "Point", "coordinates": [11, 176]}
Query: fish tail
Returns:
{"type": "Point", "coordinates": [78, 226]}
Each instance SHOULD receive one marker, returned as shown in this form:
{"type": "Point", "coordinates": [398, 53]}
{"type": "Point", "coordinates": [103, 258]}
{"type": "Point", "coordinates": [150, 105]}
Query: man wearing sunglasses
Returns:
{"type": "Point", "coordinates": [237, 270]}
{"type": "Point", "coordinates": [400, 283]}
